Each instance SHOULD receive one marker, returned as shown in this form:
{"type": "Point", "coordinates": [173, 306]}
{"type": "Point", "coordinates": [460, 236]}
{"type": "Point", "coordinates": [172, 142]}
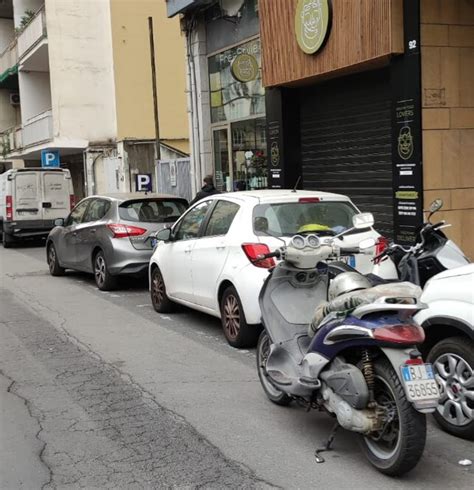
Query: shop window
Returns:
{"type": "Point", "coordinates": [236, 83]}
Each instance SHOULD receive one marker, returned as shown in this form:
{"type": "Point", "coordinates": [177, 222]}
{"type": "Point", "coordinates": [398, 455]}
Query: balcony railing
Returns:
{"type": "Point", "coordinates": [37, 129]}
{"type": "Point", "coordinates": [8, 61]}
{"type": "Point", "coordinates": [33, 33]}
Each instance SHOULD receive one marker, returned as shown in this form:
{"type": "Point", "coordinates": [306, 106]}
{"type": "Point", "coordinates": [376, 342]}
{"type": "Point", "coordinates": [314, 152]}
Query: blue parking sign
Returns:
{"type": "Point", "coordinates": [50, 158]}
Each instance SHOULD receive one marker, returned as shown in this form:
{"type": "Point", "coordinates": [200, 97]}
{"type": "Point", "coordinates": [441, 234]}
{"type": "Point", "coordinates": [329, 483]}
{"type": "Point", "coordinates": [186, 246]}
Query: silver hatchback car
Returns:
{"type": "Point", "coordinates": [109, 235]}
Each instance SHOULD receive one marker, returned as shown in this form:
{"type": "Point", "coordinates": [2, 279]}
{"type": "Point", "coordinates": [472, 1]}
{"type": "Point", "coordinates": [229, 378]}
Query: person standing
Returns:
{"type": "Point", "coordinates": [207, 190]}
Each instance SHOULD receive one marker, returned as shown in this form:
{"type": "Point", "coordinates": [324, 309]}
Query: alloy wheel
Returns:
{"type": "Point", "coordinates": [231, 316]}
{"type": "Point", "coordinates": [51, 258]}
{"type": "Point", "coordinates": [157, 288]}
{"type": "Point", "coordinates": [100, 269]}
{"type": "Point", "coordinates": [455, 378]}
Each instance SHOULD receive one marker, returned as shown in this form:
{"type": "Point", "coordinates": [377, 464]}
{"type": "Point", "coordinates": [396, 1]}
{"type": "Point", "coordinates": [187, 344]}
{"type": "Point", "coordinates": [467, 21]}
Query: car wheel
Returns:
{"type": "Point", "coordinates": [453, 362]}
{"type": "Point", "coordinates": [103, 278]}
{"type": "Point", "coordinates": [161, 302]}
{"type": "Point", "coordinates": [7, 240]}
{"type": "Point", "coordinates": [53, 263]}
{"type": "Point", "coordinates": [236, 330]}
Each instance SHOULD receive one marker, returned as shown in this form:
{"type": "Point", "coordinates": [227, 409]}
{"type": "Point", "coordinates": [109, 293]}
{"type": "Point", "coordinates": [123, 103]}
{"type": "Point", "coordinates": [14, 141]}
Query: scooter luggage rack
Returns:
{"type": "Point", "coordinates": [390, 303]}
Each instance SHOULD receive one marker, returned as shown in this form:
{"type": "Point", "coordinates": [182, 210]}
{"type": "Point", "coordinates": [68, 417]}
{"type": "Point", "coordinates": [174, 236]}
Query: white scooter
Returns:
{"type": "Point", "coordinates": [440, 267]}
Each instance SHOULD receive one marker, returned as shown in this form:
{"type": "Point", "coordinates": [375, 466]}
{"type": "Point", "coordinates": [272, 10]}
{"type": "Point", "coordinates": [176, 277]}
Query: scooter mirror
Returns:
{"type": "Point", "coordinates": [367, 244]}
{"type": "Point", "coordinates": [363, 220]}
{"type": "Point", "coordinates": [436, 205]}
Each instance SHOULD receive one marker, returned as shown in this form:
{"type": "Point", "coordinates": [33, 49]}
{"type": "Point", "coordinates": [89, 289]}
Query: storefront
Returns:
{"type": "Point", "coordinates": [237, 104]}
{"type": "Point", "coordinates": [334, 72]}
{"type": "Point", "coordinates": [226, 96]}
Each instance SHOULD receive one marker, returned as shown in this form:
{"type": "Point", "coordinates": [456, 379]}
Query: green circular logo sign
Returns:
{"type": "Point", "coordinates": [312, 22]}
{"type": "Point", "coordinates": [244, 68]}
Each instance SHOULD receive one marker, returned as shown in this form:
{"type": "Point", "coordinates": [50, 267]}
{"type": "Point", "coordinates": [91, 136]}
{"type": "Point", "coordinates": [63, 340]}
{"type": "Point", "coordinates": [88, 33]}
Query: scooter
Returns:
{"type": "Point", "coordinates": [361, 366]}
{"type": "Point", "coordinates": [433, 253]}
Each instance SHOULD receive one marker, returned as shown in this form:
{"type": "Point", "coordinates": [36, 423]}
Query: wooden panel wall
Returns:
{"type": "Point", "coordinates": [447, 54]}
{"type": "Point", "coordinates": [363, 32]}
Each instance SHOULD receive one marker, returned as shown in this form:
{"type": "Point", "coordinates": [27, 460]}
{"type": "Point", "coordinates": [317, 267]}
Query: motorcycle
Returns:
{"type": "Point", "coordinates": [433, 253]}
{"type": "Point", "coordinates": [362, 365]}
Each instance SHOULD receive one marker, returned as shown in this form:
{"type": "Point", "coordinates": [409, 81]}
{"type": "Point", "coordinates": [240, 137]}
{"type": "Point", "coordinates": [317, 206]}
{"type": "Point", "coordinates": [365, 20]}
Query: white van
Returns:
{"type": "Point", "coordinates": [31, 199]}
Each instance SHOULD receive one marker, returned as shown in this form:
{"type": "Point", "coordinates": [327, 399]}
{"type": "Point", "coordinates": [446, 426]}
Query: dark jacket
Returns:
{"type": "Point", "coordinates": [206, 191]}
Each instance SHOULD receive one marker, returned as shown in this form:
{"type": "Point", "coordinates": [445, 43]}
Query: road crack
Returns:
{"type": "Point", "coordinates": [37, 419]}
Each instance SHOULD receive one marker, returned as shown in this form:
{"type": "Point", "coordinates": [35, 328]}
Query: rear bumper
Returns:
{"type": "Point", "coordinates": [124, 259]}
{"type": "Point", "coordinates": [28, 228]}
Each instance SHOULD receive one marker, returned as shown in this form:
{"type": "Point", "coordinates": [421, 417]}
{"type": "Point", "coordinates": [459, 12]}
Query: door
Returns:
{"type": "Point", "coordinates": [67, 243]}
{"type": "Point", "coordinates": [26, 196]}
{"type": "Point", "coordinates": [240, 160]}
{"type": "Point", "coordinates": [88, 231]}
{"type": "Point", "coordinates": [346, 144]}
{"type": "Point", "coordinates": [222, 159]}
{"type": "Point", "coordinates": [210, 253]}
{"type": "Point", "coordinates": [175, 259]}
{"type": "Point", "coordinates": [56, 199]}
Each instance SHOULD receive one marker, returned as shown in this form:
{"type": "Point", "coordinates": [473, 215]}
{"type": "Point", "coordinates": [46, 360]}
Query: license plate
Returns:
{"type": "Point", "coordinates": [419, 381]}
{"type": "Point", "coordinates": [349, 260]}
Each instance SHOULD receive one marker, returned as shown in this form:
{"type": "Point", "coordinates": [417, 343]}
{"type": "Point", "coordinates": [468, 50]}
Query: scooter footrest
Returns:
{"type": "Point", "coordinates": [313, 382]}
{"type": "Point", "coordinates": [279, 377]}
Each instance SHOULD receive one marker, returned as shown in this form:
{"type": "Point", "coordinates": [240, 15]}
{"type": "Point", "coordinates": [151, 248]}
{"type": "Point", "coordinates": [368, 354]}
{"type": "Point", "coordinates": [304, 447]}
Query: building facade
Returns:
{"type": "Point", "coordinates": [226, 96]}
{"type": "Point", "coordinates": [81, 79]}
{"type": "Point", "coordinates": [374, 99]}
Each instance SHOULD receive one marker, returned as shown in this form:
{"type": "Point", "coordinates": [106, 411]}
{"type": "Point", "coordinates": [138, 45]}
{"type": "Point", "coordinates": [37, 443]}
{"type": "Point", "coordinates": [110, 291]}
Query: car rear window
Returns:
{"type": "Point", "coordinates": [288, 219]}
{"type": "Point", "coordinates": [152, 210]}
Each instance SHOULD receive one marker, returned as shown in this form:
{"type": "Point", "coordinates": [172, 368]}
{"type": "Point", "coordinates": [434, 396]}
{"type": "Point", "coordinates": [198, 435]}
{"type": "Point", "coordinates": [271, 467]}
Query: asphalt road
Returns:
{"type": "Point", "coordinates": [99, 391]}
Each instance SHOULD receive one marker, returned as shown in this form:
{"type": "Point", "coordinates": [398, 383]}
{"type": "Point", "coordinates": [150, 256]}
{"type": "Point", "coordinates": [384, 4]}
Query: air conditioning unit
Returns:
{"type": "Point", "coordinates": [15, 99]}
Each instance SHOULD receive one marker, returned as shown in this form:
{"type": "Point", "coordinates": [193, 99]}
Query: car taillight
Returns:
{"type": "Point", "coordinates": [9, 207]}
{"type": "Point", "coordinates": [253, 250]}
{"type": "Point", "coordinates": [381, 245]}
{"type": "Point", "coordinates": [309, 199]}
{"type": "Point", "coordinates": [124, 231]}
{"type": "Point", "coordinates": [400, 334]}
{"type": "Point", "coordinates": [72, 201]}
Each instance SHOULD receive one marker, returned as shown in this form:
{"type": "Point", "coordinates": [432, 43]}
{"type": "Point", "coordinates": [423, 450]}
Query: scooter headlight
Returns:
{"type": "Point", "coordinates": [298, 242]}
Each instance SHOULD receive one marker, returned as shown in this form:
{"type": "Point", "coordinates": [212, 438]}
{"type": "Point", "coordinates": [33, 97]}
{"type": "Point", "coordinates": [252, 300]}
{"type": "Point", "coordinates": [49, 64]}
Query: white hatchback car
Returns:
{"type": "Point", "coordinates": [205, 260]}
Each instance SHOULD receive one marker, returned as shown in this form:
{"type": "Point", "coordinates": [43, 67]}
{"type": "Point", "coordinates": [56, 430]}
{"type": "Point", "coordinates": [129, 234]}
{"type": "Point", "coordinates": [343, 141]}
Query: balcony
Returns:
{"type": "Point", "coordinates": [37, 129]}
{"type": "Point", "coordinates": [33, 33]}
{"type": "Point", "coordinates": [9, 61]}
{"type": "Point", "coordinates": [175, 7]}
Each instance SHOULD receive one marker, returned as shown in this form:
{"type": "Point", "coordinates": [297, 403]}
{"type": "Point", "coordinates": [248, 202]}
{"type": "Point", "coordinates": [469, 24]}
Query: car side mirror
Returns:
{"type": "Point", "coordinates": [59, 222]}
{"type": "Point", "coordinates": [163, 235]}
{"type": "Point", "coordinates": [363, 220]}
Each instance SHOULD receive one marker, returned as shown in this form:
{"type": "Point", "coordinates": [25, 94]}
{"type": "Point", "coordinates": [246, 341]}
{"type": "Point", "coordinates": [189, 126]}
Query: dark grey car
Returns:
{"type": "Point", "coordinates": [108, 235]}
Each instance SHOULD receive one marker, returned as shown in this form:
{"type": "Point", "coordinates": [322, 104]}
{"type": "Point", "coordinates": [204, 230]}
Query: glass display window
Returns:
{"type": "Point", "coordinates": [235, 80]}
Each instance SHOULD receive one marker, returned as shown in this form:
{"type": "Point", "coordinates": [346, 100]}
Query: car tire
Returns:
{"type": "Point", "coordinates": [236, 329]}
{"type": "Point", "coordinates": [159, 299]}
{"type": "Point", "coordinates": [103, 278]}
{"type": "Point", "coordinates": [453, 362]}
{"type": "Point", "coordinates": [7, 240]}
{"type": "Point", "coordinates": [53, 262]}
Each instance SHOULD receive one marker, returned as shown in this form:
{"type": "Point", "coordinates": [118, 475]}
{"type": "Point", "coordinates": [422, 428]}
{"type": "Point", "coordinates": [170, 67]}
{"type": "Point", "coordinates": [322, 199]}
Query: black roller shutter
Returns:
{"type": "Point", "coordinates": [346, 142]}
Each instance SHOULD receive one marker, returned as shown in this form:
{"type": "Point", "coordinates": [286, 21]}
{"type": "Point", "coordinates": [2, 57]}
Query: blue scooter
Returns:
{"type": "Point", "coordinates": [358, 362]}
